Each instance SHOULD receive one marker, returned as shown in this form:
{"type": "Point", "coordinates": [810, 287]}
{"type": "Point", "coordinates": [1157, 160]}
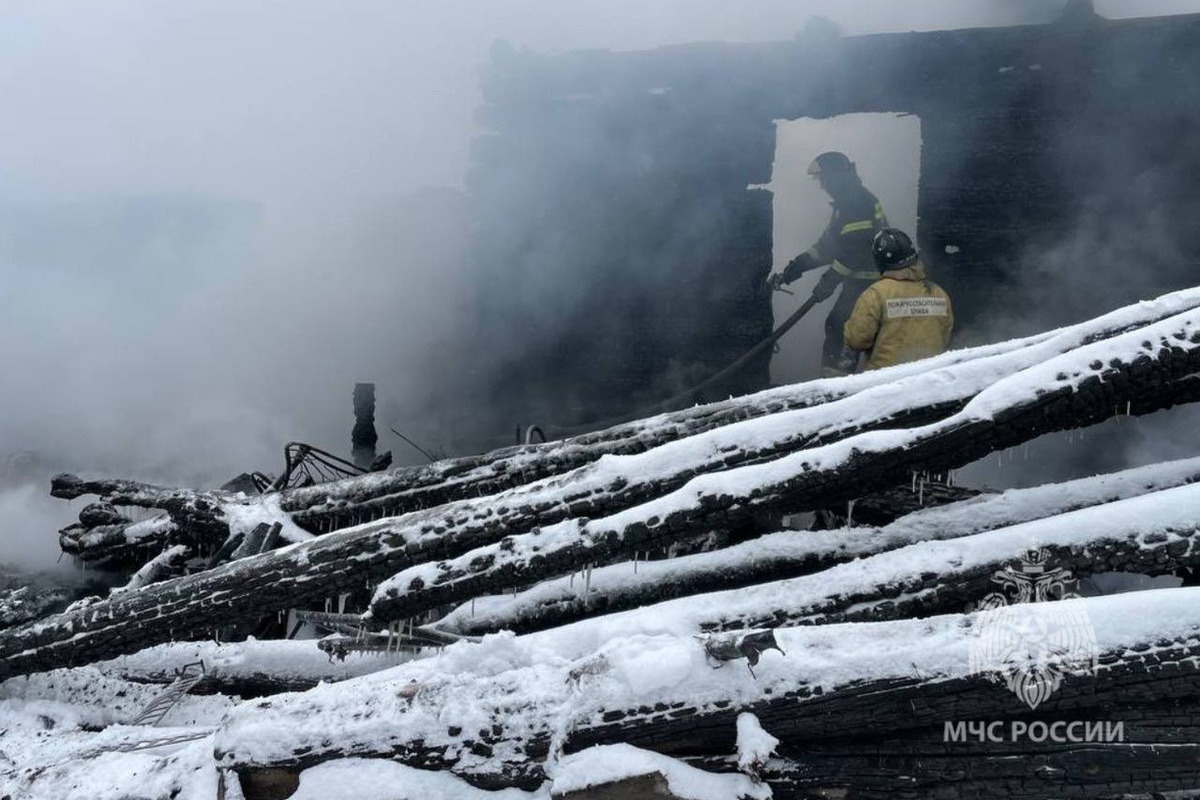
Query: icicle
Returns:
{"type": "Point", "coordinates": [635, 556]}
{"type": "Point", "coordinates": [1128, 407]}
{"type": "Point", "coordinates": [327, 605]}
{"type": "Point", "coordinates": [849, 513]}
{"type": "Point", "coordinates": [921, 494]}
{"type": "Point", "coordinates": [914, 481]}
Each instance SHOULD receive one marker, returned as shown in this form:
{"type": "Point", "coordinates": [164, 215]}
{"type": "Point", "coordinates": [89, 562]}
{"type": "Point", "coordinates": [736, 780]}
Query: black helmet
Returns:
{"type": "Point", "coordinates": [893, 249]}
{"type": "Point", "coordinates": [831, 164]}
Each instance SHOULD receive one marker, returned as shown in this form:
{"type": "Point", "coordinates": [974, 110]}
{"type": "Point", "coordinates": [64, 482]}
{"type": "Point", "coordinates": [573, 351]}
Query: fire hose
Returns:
{"type": "Point", "coordinates": [690, 395]}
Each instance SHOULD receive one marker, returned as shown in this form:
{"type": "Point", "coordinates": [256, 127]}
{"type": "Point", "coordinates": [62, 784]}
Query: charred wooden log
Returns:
{"type": "Point", "coordinates": [354, 501]}
{"type": "Point", "coordinates": [351, 502]}
{"type": "Point", "coordinates": [246, 669]}
{"type": "Point", "coordinates": [169, 563]}
{"type": "Point", "coordinates": [791, 554]}
{"type": "Point", "coordinates": [198, 518]}
{"type": "Point", "coordinates": [117, 545]}
{"type": "Point", "coordinates": [1137, 536]}
{"type": "Point", "coordinates": [830, 706]}
{"type": "Point", "coordinates": [882, 508]}
{"type": "Point", "coordinates": [1148, 369]}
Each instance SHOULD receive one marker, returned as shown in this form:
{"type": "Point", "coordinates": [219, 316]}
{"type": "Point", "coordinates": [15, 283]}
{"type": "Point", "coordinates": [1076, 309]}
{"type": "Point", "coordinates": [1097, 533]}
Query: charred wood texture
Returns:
{"type": "Point", "coordinates": [789, 554]}
{"type": "Point", "coordinates": [1151, 371]}
{"type": "Point", "coordinates": [1147, 369]}
{"type": "Point", "coordinates": [882, 508]}
{"type": "Point", "coordinates": [200, 517]}
{"type": "Point", "coordinates": [104, 535]}
{"type": "Point", "coordinates": [354, 501]}
{"type": "Point", "coordinates": [869, 738]}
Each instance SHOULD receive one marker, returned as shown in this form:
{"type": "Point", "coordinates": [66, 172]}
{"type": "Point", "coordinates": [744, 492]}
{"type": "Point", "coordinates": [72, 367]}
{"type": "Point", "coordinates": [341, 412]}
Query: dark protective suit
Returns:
{"type": "Point", "coordinates": [846, 247]}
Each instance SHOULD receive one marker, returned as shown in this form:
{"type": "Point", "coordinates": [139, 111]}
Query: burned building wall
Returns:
{"type": "Point", "coordinates": [624, 251]}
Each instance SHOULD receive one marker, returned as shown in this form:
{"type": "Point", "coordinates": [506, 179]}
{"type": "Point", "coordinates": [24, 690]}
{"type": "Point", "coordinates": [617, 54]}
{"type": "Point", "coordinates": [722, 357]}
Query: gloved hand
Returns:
{"type": "Point", "coordinates": [827, 285]}
{"type": "Point", "coordinates": [776, 281]}
{"type": "Point", "coordinates": [798, 266]}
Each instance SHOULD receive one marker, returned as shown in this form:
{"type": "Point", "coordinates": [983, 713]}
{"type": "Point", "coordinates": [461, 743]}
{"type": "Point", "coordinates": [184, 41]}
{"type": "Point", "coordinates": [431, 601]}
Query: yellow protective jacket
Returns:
{"type": "Point", "coordinates": [901, 317]}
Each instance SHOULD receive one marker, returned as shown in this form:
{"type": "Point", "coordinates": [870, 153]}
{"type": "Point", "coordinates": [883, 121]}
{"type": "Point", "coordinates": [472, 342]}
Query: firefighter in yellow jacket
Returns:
{"type": "Point", "coordinates": [903, 316]}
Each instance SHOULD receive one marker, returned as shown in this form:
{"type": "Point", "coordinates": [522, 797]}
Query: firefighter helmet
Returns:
{"type": "Point", "coordinates": [832, 163]}
{"type": "Point", "coordinates": [893, 249]}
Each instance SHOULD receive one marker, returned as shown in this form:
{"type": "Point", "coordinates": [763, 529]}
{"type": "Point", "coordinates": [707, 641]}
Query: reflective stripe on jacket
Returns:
{"type": "Point", "coordinates": [846, 243]}
{"type": "Point", "coordinates": [902, 317]}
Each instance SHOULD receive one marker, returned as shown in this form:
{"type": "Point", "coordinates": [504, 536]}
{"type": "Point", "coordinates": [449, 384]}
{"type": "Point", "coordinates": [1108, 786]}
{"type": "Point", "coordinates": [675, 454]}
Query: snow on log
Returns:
{"type": "Point", "coordinates": [789, 554]}
{"type": "Point", "coordinates": [494, 711]}
{"type": "Point", "coordinates": [202, 520]}
{"type": "Point", "coordinates": [1148, 368]}
{"type": "Point", "coordinates": [249, 669]}
{"type": "Point", "coordinates": [1142, 370]}
{"type": "Point", "coordinates": [353, 501]}
{"type": "Point", "coordinates": [167, 564]}
{"type": "Point", "coordinates": [1151, 534]}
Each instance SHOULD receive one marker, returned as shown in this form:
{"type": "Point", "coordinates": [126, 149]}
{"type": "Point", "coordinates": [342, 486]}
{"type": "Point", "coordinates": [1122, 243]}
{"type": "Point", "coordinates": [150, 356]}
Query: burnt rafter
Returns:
{"type": "Point", "coordinates": [788, 554]}
{"type": "Point", "coordinates": [1143, 370]}
{"type": "Point", "coordinates": [834, 712]}
{"type": "Point", "coordinates": [200, 517]}
{"type": "Point", "coordinates": [823, 411]}
{"type": "Point", "coordinates": [1137, 371]}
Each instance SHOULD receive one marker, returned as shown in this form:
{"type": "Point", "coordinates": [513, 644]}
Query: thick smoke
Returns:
{"type": "Point", "coordinates": [216, 217]}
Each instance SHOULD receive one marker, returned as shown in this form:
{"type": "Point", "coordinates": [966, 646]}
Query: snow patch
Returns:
{"type": "Point", "coordinates": [603, 764]}
{"type": "Point", "coordinates": [754, 745]}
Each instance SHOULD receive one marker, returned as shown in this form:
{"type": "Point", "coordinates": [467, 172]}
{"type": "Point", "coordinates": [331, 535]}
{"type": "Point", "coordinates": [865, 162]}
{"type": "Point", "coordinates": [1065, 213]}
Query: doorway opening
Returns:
{"type": "Point", "coordinates": [887, 150]}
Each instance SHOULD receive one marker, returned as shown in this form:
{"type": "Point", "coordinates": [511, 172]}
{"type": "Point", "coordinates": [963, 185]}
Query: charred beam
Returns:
{"type": "Point", "coordinates": [823, 697]}
{"type": "Point", "coordinates": [791, 554]}
{"type": "Point", "coordinates": [1149, 369]}
{"type": "Point", "coordinates": [330, 506]}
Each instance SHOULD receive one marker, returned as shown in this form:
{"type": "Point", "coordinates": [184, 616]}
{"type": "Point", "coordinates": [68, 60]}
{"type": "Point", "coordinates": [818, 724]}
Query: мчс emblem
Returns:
{"type": "Point", "coordinates": [1027, 642]}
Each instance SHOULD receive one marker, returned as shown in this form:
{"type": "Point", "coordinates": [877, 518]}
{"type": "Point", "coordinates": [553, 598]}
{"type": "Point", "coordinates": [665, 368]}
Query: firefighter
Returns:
{"type": "Point", "coordinates": [903, 316]}
{"type": "Point", "coordinates": [845, 247]}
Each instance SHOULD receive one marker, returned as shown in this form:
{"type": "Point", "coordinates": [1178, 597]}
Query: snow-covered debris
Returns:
{"type": "Point", "coordinates": [660, 427]}
{"type": "Point", "coordinates": [152, 568]}
{"type": "Point", "coordinates": [573, 539]}
{"type": "Point", "coordinates": [245, 517]}
{"type": "Point", "coordinates": [607, 764]}
{"type": "Point", "coordinates": [380, 779]}
{"type": "Point", "coordinates": [1154, 520]}
{"type": "Point", "coordinates": [63, 736]}
{"type": "Point", "coordinates": [520, 689]}
{"type": "Point", "coordinates": [754, 745]}
{"type": "Point", "coordinates": [284, 659]}
{"type": "Point", "coordinates": [965, 518]}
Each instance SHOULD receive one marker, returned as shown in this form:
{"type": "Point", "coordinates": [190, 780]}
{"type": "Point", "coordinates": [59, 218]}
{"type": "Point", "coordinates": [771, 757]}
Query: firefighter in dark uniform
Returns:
{"type": "Point", "coordinates": [845, 247]}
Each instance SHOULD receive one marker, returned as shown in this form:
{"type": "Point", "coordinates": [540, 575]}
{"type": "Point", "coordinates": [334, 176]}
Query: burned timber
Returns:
{"type": "Point", "coordinates": [583, 530]}
{"type": "Point", "coordinates": [793, 566]}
